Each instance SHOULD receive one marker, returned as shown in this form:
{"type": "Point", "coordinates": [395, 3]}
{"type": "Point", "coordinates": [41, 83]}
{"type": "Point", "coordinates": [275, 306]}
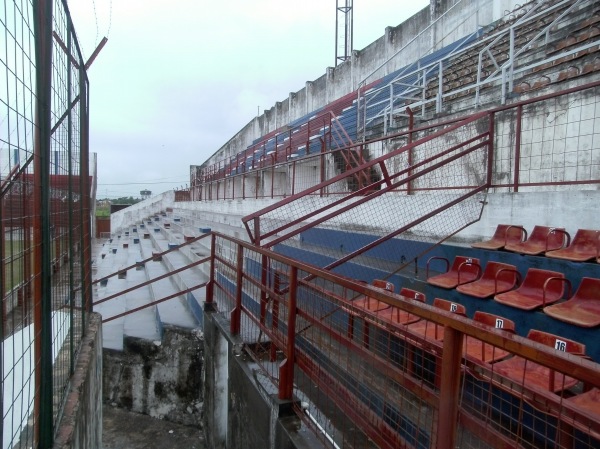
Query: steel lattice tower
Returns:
{"type": "Point", "coordinates": [343, 30]}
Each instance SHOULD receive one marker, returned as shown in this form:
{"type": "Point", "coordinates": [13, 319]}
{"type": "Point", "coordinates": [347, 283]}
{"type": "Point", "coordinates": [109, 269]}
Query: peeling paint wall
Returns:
{"type": "Point", "coordinates": [236, 391]}
{"type": "Point", "coordinates": [80, 426]}
{"type": "Point", "coordinates": [160, 379]}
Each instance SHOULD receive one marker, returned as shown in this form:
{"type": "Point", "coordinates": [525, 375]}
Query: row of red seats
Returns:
{"type": "Point", "coordinates": [514, 368]}
{"type": "Point", "coordinates": [540, 289]}
{"type": "Point", "coordinates": [553, 242]}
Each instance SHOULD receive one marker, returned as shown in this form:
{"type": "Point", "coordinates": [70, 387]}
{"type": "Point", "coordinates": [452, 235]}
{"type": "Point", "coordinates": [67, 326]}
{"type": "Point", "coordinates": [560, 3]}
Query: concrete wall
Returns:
{"type": "Point", "coordinates": [80, 426]}
{"type": "Point", "coordinates": [162, 379]}
{"type": "Point", "coordinates": [577, 211]}
{"type": "Point", "coordinates": [450, 20]}
{"type": "Point", "coordinates": [241, 406]}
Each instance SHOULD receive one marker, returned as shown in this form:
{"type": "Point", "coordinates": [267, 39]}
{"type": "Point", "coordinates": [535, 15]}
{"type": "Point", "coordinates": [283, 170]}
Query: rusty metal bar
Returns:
{"type": "Point", "coordinates": [449, 388]}
{"type": "Point", "coordinates": [363, 199]}
{"type": "Point", "coordinates": [516, 175]}
{"type": "Point", "coordinates": [158, 301]}
{"type": "Point", "coordinates": [236, 313]}
{"type": "Point", "coordinates": [286, 369]}
{"type": "Point", "coordinates": [170, 250]}
{"type": "Point", "coordinates": [150, 281]}
{"type": "Point", "coordinates": [210, 288]}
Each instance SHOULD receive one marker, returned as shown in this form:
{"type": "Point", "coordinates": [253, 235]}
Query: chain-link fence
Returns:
{"type": "Point", "coordinates": [367, 368]}
{"type": "Point", "coordinates": [45, 216]}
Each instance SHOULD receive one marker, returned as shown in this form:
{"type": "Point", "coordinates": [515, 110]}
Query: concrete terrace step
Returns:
{"type": "Point", "coordinates": [141, 324]}
{"type": "Point", "coordinates": [175, 311]}
{"type": "Point", "coordinates": [188, 278]}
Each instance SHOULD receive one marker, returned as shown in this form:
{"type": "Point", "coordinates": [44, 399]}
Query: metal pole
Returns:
{"type": "Point", "coordinates": [70, 211]}
{"type": "Point", "coordinates": [210, 288]}
{"type": "Point", "coordinates": [236, 313]}
{"type": "Point", "coordinates": [286, 369]}
{"type": "Point", "coordinates": [518, 148]}
{"type": "Point", "coordinates": [42, 413]}
{"type": "Point", "coordinates": [449, 388]}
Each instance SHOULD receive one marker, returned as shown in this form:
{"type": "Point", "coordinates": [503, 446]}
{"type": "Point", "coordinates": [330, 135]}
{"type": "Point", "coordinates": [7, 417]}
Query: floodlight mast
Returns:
{"type": "Point", "coordinates": [343, 30]}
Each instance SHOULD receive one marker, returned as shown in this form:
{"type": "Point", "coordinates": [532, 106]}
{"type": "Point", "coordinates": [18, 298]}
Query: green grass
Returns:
{"type": "Point", "coordinates": [103, 211]}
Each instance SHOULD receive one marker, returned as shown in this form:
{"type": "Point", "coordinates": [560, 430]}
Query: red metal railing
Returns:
{"type": "Point", "coordinates": [386, 385]}
{"type": "Point", "coordinates": [156, 256]}
{"type": "Point", "coordinates": [517, 163]}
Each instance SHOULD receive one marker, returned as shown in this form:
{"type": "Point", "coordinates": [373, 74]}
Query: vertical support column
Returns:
{"type": "Point", "coordinates": [286, 369]}
{"type": "Point", "coordinates": [236, 313]}
{"type": "Point", "coordinates": [518, 148]}
{"type": "Point", "coordinates": [70, 242]}
{"type": "Point", "coordinates": [275, 313]}
{"type": "Point", "coordinates": [411, 125]}
{"type": "Point", "coordinates": [84, 177]}
{"type": "Point", "coordinates": [449, 388]}
{"type": "Point", "coordinates": [210, 288]}
{"type": "Point", "coordinates": [256, 231]}
{"type": "Point", "coordinates": [264, 283]}
{"type": "Point", "coordinates": [42, 413]}
{"type": "Point", "coordinates": [490, 161]}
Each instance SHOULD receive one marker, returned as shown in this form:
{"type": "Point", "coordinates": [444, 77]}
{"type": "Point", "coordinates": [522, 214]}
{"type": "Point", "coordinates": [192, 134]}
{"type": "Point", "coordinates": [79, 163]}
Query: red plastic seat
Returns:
{"type": "Point", "coordinates": [541, 239]}
{"type": "Point", "coordinates": [583, 247]}
{"type": "Point", "coordinates": [398, 316]}
{"type": "Point", "coordinates": [434, 331]}
{"type": "Point", "coordinates": [588, 401]}
{"type": "Point", "coordinates": [503, 235]}
{"type": "Point", "coordinates": [463, 270]}
{"type": "Point", "coordinates": [583, 308]}
{"type": "Point", "coordinates": [485, 352]}
{"type": "Point", "coordinates": [496, 278]}
{"type": "Point", "coordinates": [372, 304]}
{"type": "Point", "coordinates": [539, 289]}
{"type": "Point", "coordinates": [531, 374]}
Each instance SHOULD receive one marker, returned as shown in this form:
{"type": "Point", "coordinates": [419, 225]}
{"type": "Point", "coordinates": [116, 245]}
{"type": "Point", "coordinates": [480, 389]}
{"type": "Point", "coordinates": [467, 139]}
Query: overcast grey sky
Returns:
{"type": "Point", "coordinates": [178, 78]}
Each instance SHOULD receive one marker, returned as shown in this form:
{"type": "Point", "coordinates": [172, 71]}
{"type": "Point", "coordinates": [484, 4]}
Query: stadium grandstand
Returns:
{"type": "Point", "coordinates": [403, 253]}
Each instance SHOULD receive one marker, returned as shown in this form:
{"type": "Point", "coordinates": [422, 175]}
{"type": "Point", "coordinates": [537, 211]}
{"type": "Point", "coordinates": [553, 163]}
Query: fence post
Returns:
{"type": "Point", "coordinates": [449, 388]}
{"type": "Point", "coordinates": [518, 148]}
{"type": "Point", "coordinates": [411, 125]}
{"type": "Point", "coordinates": [43, 402]}
{"type": "Point", "coordinates": [275, 313]}
{"type": "Point", "coordinates": [210, 288]}
{"type": "Point", "coordinates": [236, 313]}
{"type": "Point", "coordinates": [490, 161]}
{"type": "Point", "coordinates": [286, 369]}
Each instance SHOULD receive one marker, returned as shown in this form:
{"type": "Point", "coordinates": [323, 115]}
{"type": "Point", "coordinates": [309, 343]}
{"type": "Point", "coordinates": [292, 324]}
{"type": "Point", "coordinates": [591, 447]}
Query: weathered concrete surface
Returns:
{"type": "Point", "coordinates": [81, 424]}
{"type": "Point", "coordinates": [241, 408]}
{"type": "Point", "coordinates": [162, 379]}
{"type": "Point", "coordinates": [128, 430]}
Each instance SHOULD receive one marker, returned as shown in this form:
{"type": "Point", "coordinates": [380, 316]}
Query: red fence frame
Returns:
{"type": "Point", "coordinates": [444, 400]}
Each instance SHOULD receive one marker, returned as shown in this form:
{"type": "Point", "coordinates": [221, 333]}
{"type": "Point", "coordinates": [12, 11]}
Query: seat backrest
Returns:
{"type": "Point", "coordinates": [379, 283]}
{"type": "Point", "coordinates": [541, 233]}
{"type": "Point", "coordinates": [493, 267]}
{"type": "Point", "coordinates": [589, 288]}
{"type": "Point", "coordinates": [471, 264]}
{"type": "Point", "coordinates": [536, 278]}
{"type": "Point", "coordinates": [557, 342]}
{"type": "Point", "coordinates": [495, 321]}
{"type": "Point", "coordinates": [412, 294]}
{"type": "Point", "coordinates": [509, 233]}
{"type": "Point", "coordinates": [586, 238]}
{"type": "Point", "coordinates": [450, 306]}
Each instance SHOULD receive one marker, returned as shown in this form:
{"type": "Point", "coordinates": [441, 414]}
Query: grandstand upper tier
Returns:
{"type": "Point", "coordinates": [445, 63]}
